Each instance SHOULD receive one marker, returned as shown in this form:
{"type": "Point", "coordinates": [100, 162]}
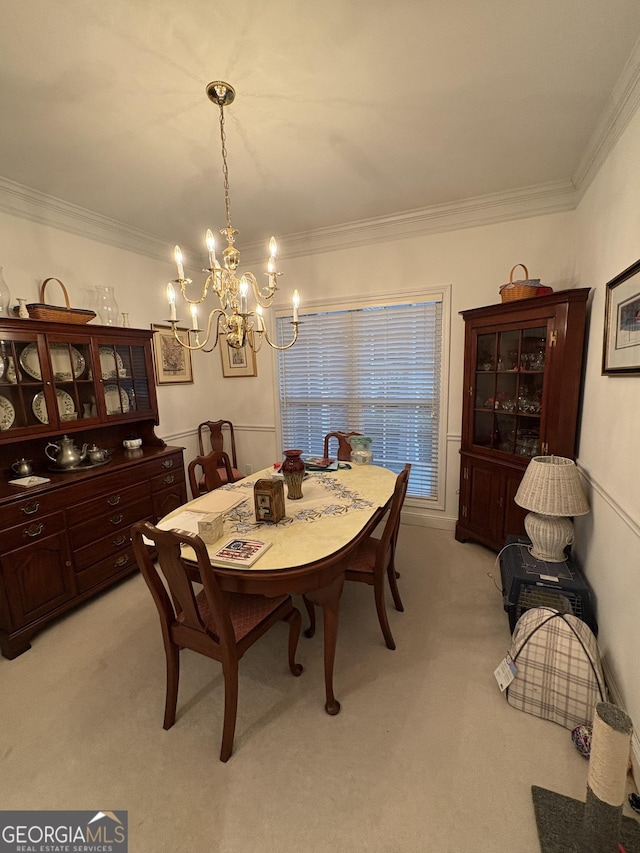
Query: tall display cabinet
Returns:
{"type": "Point", "coordinates": [67, 538]}
{"type": "Point", "coordinates": [522, 381]}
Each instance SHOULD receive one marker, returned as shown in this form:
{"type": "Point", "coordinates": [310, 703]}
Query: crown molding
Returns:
{"type": "Point", "coordinates": [36, 206]}
{"type": "Point", "coordinates": [620, 108]}
{"type": "Point", "coordinates": [520, 203]}
{"type": "Point", "coordinates": [26, 203]}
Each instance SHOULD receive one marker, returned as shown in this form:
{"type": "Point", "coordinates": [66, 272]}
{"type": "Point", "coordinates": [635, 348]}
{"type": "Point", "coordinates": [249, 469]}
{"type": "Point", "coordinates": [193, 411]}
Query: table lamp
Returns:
{"type": "Point", "coordinates": [552, 491]}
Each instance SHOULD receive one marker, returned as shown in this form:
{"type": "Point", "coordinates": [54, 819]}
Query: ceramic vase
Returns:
{"type": "Point", "coordinates": [293, 473]}
{"type": "Point", "coordinates": [107, 307]}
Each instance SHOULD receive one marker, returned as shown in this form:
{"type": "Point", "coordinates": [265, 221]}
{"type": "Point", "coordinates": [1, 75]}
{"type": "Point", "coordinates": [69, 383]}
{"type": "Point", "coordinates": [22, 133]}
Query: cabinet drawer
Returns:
{"type": "Point", "coordinates": [102, 548]}
{"type": "Point", "coordinates": [120, 518]}
{"type": "Point", "coordinates": [108, 503]}
{"type": "Point", "coordinates": [114, 565]}
{"type": "Point", "coordinates": [32, 507]}
{"type": "Point", "coordinates": [170, 463]}
{"type": "Point", "coordinates": [172, 478]}
{"type": "Point", "coordinates": [32, 530]}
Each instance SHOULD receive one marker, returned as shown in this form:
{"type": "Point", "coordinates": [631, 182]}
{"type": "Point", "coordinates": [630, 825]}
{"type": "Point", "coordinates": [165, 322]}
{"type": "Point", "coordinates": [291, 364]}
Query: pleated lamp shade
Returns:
{"type": "Point", "coordinates": [551, 489]}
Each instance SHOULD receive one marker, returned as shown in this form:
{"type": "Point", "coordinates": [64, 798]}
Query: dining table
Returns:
{"type": "Point", "coordinates": [309, 548]}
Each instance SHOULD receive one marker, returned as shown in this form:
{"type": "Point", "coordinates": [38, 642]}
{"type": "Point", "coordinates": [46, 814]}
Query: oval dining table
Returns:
{"type": "Point", "coordinates": [310, 546]}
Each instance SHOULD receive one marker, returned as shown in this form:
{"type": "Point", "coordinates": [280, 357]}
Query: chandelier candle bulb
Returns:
{"type": "Point", "coordinates": [296, 305]}
{"type": "Point", "coordinates": [194, 317]}
{"type": "Point", "coordinates": [211, 246]}
{"type": "Point", "coordinates": [177, 254]}
{"type": "Point", "coordinates": [243, 295]}
{"type": "Point", "coordinates": [171, 298]}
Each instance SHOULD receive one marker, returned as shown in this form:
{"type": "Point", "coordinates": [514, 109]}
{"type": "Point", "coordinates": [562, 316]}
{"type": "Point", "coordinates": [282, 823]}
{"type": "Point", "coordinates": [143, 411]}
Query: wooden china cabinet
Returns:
{"type": "Point", "coordinates": [67, 539]}
{"type": "Point", "coordinates": [522, 381]}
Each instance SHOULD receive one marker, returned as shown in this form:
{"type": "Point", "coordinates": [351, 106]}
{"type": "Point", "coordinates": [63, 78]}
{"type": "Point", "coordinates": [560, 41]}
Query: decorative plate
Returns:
{"type": "Point", "coordinates": [7, 413]}
{"type": "Point", "coordinates": [59, 354]}
{"type": "Point", "coordinates": [110, 367]}
{"type": "Point", "coordinates": [66, 406]}
{"type": "Point", "coordinates": [116, 403]}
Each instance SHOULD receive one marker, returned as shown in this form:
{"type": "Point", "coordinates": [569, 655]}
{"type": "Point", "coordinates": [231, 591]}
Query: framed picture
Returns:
{"type": "Point", "coordinates": [621, 351]}
{"type": "Point", "coordinates": [237, 362]}
{"type": "Point", "coordinates": [172, 361]}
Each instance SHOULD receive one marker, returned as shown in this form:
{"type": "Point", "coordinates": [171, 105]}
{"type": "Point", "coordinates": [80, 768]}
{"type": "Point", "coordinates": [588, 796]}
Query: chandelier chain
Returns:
{"type": "Point", "coordinates": [225, 168]}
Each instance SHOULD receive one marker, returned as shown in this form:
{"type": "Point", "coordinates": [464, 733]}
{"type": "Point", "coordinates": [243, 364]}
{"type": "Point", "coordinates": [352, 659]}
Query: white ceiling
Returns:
{"type": "Point", "coordinates": [346, 110]}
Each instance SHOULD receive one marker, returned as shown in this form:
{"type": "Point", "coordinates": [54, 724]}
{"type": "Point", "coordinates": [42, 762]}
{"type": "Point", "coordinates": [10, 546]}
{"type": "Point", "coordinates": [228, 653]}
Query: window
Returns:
{"type": "Point", "coordinates": [374, 370]}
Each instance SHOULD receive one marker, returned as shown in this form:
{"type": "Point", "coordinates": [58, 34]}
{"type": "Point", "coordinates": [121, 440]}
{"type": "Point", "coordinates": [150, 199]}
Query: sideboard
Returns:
{"type": "Point", "coordinates": [66, 539]}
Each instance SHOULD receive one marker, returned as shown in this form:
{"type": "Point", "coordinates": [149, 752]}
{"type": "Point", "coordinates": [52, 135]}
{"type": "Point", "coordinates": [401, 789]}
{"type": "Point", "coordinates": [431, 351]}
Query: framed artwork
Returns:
{"type": "Point", "coordinates": [621, 350]}
{"type": "Point", "coordinates": [172, 362]}
{"type": "Point", "coordinates": [237, 362]}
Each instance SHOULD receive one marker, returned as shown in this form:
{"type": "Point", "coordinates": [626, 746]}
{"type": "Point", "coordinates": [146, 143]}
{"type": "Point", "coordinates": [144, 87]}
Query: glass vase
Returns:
{"type": "Point", "coordinates": [107, 307]}
{"type": "Point", "coordinates": [5, 298]}
{"type": "Point", "coordinates": [361, 453]}
{"type": "Point", "coordinates": [293, 471]}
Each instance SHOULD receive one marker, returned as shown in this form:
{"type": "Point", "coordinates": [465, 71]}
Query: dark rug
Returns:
{"type": "Point", "coordinates": [559, 821]}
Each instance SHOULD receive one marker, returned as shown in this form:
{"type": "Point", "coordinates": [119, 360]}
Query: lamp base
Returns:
{"type": "Point", "coordinates": [549, 536]}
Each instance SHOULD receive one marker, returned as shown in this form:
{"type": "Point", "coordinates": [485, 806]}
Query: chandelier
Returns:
{"type": "Point", "coordinates": [232, 320]}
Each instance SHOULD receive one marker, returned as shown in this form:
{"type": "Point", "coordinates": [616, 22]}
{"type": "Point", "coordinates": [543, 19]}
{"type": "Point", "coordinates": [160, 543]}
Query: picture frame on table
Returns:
{"type": "Point", "coordinates": [171, 360]}
{"type": "Point", "coordinates": [621, 346]}
{"type": "Point", "coordinates": [237, 362]}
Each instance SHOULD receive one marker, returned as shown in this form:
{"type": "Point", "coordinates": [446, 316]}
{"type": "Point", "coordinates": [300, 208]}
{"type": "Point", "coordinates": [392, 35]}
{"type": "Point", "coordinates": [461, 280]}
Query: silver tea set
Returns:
{"type": "Point", "coordinates": [65, 456]}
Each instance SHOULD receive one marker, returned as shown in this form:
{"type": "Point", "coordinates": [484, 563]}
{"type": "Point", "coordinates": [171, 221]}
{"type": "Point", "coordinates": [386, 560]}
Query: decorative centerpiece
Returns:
{"type": "Point", "coordinates": [268, 499]}
{"type": "Point", "coordinates": [293, 471]}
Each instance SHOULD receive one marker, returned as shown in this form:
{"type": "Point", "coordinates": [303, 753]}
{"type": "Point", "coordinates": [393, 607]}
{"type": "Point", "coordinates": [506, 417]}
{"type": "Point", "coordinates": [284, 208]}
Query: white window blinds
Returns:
{"type": "Point", "coordinates": [373, 370]}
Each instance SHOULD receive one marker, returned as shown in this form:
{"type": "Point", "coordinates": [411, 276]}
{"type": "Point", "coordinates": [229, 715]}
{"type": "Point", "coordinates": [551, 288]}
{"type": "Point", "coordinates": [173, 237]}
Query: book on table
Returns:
{"type": "Point", "coordinates": [240, 552]}
{"type": "Point", "coordinates": [320, 463]}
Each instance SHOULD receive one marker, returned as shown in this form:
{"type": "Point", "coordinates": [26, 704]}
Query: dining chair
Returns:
{"type": "Point", "coordinates": [374, 559]}
{"type": "Point", "coordinates": [344, 448]}
{"type": "Point", "coordinates": [221, 625]}
{"type": "Point", "coordinates": [204, 472]}
{"type": "Point", "coordinates": [220, 433]}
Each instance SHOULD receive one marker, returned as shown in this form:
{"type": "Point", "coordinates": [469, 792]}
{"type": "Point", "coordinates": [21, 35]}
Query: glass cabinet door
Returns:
{"type": "Point", "coordinates": [125, 383]}
{"type": "Point", "coordinates": [73, 385]}
{"type": "Point", "coordinates": [509, 390]}
{"type": "Point", "coordinates": [22, 384]}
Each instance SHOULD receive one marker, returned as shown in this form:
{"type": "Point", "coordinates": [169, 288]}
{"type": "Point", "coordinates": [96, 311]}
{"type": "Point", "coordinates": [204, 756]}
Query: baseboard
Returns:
{"type": "Point", "coordinates": [419, 519]}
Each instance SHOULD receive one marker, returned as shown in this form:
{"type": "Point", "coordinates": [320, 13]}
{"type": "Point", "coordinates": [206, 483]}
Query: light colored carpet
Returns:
{"type": "Point", "coordinates": [426, 754]}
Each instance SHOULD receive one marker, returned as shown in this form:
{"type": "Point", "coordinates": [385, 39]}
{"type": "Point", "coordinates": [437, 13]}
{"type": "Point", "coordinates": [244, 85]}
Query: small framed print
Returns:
{"type": "Point", "coordinates": [172, 361]}
{"type": "Point", "coordinates": [621, 350]}
{"type": "Point", "coordinates": [237, 362]}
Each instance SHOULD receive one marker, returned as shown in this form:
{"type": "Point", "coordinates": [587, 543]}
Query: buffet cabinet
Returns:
{"type": "Point", "coordinates": [66, 539]}
{"type": "Point", "coordinates": [522, 383]}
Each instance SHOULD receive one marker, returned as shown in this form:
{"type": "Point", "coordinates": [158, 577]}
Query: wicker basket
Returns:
{"type": "Point", "coordinates": [56, 313]}
{"type": "Point", "coordinates": [523, 288]}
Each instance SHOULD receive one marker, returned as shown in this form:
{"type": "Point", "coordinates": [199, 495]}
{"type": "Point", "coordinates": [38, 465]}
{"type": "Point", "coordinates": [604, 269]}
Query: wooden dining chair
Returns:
{"type": "Point", "coordinates": [204, 472]}
{"type": "Point", "coordinates": [220, 437]}
{"type": "Point", "coordinates": [344, 448]}
{"type": "Point", "coordinates": [374, 559]}
{"type": "Point", "coordinates": [221, 625]}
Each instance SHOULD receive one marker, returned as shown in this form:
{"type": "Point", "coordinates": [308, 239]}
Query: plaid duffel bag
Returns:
{"type": "Point", "coordinates": [559, 675]}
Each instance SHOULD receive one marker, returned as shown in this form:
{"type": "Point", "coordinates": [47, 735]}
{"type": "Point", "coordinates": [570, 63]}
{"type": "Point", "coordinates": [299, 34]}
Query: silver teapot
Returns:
{"type": "Point", "coordinates": [22, 467]}
{"type": "Point", "coordinates": [66, 453]}
{"type": "Point", "coordinates": [96, 454]}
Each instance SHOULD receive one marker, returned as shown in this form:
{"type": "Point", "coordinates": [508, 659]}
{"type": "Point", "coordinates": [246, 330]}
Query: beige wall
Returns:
{"type": "Point", "coordinates": [608, 540]}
